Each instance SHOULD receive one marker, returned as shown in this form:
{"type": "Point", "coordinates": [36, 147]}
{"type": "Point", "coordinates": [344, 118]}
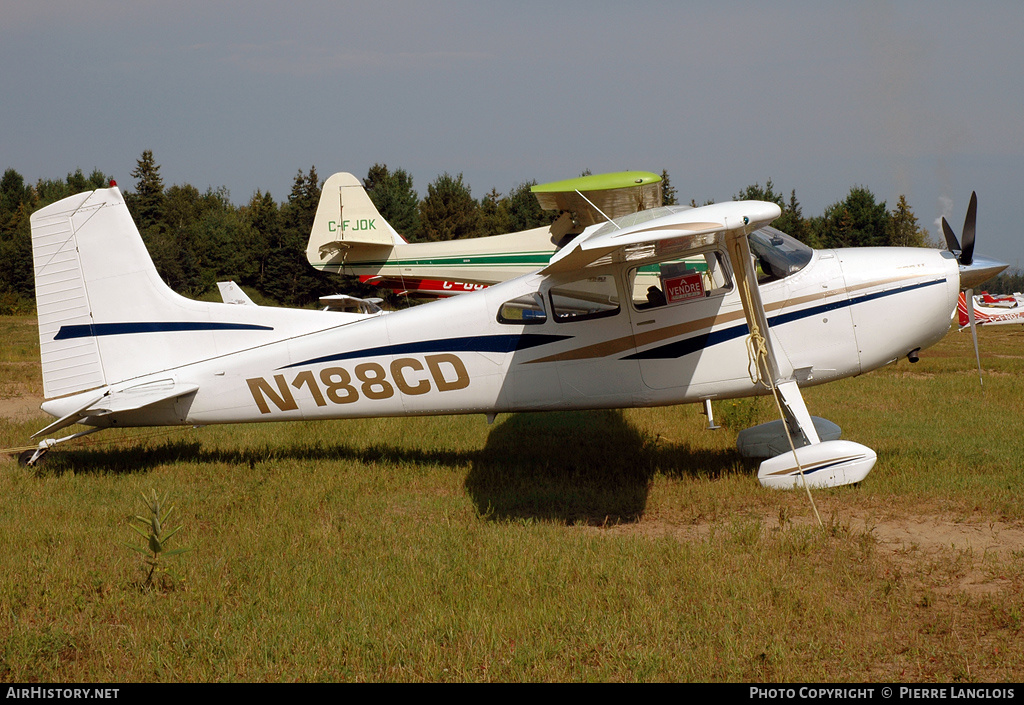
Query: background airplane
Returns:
{"type": "Point", "coordinates": [991, 310]}
{"type": "Point", "coordinates": [767, 315]}
{"type": "Point", "coordinates": [350, 237]}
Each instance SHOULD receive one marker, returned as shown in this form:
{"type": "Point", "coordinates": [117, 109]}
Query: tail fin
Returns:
{"type": "Point", "coordinates": [961, 310]}
{"type": "Point", "coordinates": [106, 316]}
{"type": "Point", "coordinates": [346, 218]}
{"type": "Point", "coordinates": [963, 317]}
{"type": "Point", "coordinates": [231, 293]}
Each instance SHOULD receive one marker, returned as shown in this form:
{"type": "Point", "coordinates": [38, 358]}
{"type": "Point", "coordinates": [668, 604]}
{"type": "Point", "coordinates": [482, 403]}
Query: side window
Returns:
{"type": "Point", "coordinates": [584, 299]}
{"type": "Point", "coordinates": [679, 280]}
{"type": "Point", "coordinates": [525, 310]}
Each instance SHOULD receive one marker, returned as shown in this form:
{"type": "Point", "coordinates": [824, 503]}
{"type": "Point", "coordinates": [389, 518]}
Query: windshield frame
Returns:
{"type": "Point", "coordinates": [778, 255]}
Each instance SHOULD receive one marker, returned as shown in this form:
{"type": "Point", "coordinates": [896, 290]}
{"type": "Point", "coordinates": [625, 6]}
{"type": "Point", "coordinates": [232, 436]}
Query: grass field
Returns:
{"type": "Point", "coordinates": [599, 546]}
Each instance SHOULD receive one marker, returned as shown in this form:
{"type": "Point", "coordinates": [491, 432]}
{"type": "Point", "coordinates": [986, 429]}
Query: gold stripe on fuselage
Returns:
{"type": "Point", "coordinates": [650, 337]}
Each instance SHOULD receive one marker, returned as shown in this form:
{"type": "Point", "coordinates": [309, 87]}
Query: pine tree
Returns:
{"type": "Point", "coordinates": [13, 193]}
{"type": "Point", "coordinates": [147, 202]}
{"type": "Point", "coordinates": [524, 211]}
{"type": "Point", "coordinates": [395, 199]}
{"type": "Point", "coordinates": [449, 211]}
{"type": "Point", "coordinates": [756, 193]}
{"type": "Point", "coordinates": [494, 214]}
{"type": "Point", "coordinates": [857, 221]}
{"type": "Point", "coordinates": [288, 278]}
{"type": "Point", "coordinates": [669, 196]}
{"type": "Point", "coordinates": [261, 219]}
{"type": "Point", "coordinates": [903, 230]}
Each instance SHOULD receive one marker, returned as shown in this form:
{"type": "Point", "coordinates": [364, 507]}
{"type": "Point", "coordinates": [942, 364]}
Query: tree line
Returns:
{"type": "Point", "coordinates": [198, 238]}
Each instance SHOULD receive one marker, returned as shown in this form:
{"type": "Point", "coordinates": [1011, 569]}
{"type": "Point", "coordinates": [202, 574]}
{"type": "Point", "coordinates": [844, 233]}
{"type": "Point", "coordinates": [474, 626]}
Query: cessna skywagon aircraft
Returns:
{"type": "Point", "coordinates": [349, 235]}
{"type": "Point", "coordinates": [765, 315]}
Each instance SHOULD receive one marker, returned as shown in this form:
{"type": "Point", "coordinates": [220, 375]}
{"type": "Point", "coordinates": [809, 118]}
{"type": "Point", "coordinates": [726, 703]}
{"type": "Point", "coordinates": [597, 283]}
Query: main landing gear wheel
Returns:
{"type": "Point", "coordinates": [25, 458]}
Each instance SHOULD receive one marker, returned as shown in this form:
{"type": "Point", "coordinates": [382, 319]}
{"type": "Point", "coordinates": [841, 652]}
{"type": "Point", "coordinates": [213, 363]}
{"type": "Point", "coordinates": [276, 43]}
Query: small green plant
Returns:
{"type": "Point", "coordinates": [152, 531]}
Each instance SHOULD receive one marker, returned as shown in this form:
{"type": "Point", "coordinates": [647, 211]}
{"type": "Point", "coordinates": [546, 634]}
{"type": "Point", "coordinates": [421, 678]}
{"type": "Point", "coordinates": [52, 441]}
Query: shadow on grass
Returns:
{"type": "Point", "coordinates": [118, 460]}
{"type": "Point", "coordinates": [588, 467]}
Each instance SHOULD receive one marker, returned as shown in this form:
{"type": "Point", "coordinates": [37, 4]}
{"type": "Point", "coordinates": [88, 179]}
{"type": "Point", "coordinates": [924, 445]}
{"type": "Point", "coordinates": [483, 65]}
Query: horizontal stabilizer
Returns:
{"type": "Point", "coordinates": [353, 304]}
{"type": "Point", "coordinates": [68, 419]}
{"type": "Point", "coordinates": [121, 401]}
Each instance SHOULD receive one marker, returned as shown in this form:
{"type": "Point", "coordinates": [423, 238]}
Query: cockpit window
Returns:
{"type": "Point", "coordinates": [584, 299]}
{"type": "Point", "coordinates": [675, 281]}
{"type": "Point", "coordinates": [778, 255]}
{"type": "Point", "coordinates": [525, 310]}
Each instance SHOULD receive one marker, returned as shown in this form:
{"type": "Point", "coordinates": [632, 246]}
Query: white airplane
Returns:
{"type": "Point", "coordinates": [349, 236]}
{"type": "Point", "coordinates": [119, 348]}
{"type": "Point", "coordinates": [991, 310]}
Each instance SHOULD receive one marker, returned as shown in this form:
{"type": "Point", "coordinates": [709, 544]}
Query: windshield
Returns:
{"type": "Point", "coordinates": [778, 255]}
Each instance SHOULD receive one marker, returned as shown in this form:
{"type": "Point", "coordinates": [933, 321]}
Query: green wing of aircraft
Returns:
{"type": "Point", "coordinates": [600, 197]}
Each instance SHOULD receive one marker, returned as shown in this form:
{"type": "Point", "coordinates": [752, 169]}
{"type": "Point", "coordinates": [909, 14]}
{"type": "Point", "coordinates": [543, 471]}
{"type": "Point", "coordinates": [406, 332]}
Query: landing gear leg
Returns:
{"type": "Point", "coordinates": [31, 458]}
{"type": "Point", "coordinates": [710, 415]}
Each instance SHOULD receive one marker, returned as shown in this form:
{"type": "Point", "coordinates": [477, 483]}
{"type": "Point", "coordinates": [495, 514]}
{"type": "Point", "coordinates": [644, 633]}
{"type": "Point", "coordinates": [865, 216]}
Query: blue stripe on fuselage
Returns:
{"type": "Point", "coordinates": [480, 343]}
{"type": "Point", "coordinates": [96, 330]}
{"type": "Point", "coordinates": [702, 341]}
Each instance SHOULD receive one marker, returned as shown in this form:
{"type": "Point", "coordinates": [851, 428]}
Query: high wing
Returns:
{"type": "Point", "coordinates": [669, 230]}
{"type": "Point", "coordinates": [680, 232]}
{"type": "Point", "coordinates": [599, 197]}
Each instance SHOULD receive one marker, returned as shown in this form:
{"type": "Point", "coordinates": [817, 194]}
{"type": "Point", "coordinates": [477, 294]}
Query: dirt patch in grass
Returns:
{"type": "Point", "coordinates": [935, 533]}
{"type": "Point", "coordinates": [20, 408]}
{"type": "Point", "coordinates": [928, 534]}
{"type": "Point", "coordinates": [907, 541]}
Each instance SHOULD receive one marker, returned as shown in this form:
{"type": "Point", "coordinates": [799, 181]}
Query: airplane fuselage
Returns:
{"type": "Point", "coordinates": [842, 314]}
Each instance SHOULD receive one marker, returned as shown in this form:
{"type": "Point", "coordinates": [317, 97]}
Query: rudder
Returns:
{"type": "Point", "coordinates": [69, 365]}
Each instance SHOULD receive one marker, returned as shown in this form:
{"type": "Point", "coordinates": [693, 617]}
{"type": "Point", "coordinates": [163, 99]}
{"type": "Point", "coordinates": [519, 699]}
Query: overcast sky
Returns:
{"type": "Point", "coordinates": [917, 98]}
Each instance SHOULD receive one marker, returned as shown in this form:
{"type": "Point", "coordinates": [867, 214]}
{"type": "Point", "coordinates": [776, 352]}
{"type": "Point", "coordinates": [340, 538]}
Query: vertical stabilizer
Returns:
{"type": "Point", "coordinates": [346, 218]}
{"type": "Point", "coordinates": [106, 316]}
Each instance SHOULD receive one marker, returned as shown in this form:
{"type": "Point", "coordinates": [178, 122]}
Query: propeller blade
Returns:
{"type": "Point", "coordinates": [974, 332]}
{"type": "Point", "coordinates": [967, 256]}
{"type": "Point", "coordinates": [951, 241]}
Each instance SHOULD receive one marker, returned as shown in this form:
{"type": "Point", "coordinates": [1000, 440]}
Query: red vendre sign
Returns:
{"type": "Point", "coordinates": [687, 286]}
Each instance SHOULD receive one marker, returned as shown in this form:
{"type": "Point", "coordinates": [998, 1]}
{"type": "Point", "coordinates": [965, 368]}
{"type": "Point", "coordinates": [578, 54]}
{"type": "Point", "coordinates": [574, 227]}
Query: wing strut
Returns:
{"type": "Point", "coordinates": [762, 356]}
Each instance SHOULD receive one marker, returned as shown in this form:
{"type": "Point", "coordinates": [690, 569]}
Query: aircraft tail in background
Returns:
{"type": "Point", "coordinates": [346, 218]}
